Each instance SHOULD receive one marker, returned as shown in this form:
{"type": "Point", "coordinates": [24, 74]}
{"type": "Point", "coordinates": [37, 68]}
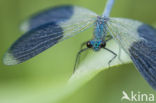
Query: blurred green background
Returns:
{"type": "Point", "coordinates": [53, 68]}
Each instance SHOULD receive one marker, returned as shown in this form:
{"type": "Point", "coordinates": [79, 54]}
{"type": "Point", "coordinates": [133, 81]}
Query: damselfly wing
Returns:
{"type": "Point", "coordinates": [46, 29]}
{"type": "Point", "coordinates": [139, 41]}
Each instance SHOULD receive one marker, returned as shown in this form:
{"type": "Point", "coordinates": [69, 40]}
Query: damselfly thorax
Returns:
{"type": "Point", "coordinates": [100, 32]}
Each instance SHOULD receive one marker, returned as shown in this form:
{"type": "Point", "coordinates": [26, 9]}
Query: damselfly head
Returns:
{"type": "Point", "coordinates": [96, 45]}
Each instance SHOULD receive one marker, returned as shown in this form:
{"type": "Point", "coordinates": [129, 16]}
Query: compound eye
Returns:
{"type": "Point", "coordinates": [89, 45]}
{"type": "Point", "coordinates": [103, 44]}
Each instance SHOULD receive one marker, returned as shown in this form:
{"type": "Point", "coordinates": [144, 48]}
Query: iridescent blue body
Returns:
{"type": "Point", "coordinates": [100, 33]}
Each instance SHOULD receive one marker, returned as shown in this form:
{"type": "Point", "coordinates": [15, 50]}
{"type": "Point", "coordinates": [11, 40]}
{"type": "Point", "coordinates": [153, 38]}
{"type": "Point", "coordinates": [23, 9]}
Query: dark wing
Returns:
{"type": "Point", "coordinates": [44, 35]}
{"type": "Point", "coordinates": [139, 41]}
{"type": "Point", "coordinates": [145, 61]}
{"type": "Point", "coordinates": [59, 14]}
